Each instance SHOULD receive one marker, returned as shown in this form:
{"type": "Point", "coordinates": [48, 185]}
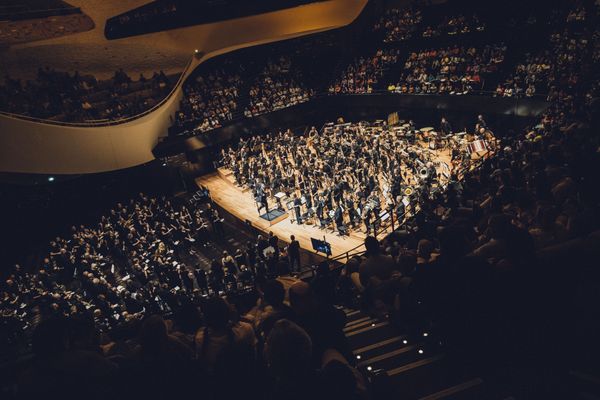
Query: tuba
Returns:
{"type": "Point", "coordinates": [423, 173]}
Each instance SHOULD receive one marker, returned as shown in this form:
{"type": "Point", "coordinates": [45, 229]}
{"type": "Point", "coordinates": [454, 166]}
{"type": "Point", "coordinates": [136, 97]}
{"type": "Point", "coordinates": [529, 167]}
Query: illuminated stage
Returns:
{"type": "Point", "coordinates": [239, 202]}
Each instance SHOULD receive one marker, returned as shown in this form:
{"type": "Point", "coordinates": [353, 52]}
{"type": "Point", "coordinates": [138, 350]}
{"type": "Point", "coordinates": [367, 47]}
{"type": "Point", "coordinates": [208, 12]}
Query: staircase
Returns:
{"type": "Point", "coordinates": [412, 365]}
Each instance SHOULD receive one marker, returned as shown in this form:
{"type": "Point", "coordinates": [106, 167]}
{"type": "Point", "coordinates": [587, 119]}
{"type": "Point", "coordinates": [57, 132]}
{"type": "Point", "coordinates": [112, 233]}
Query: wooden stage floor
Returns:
{"type": "Point", "coordinates": [242, 206]}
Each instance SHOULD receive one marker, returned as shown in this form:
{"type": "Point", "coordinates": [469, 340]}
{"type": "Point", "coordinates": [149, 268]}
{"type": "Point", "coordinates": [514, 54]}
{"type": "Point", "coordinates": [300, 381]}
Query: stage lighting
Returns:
{"type": "Point", "coordinates": [50, 179]}
{"type": "Point", "coordinates": [425, 334]}
{"type": "Point", "coordinates": [405, 341]}
{"type": "Point", "coordinates": [358, 357]}
{"type": "Point", "coordinates": [420, 351]}
{"type": "Point", "coordinates": [369, 368]}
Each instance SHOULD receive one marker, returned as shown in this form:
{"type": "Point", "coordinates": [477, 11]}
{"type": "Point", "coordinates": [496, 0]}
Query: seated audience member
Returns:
{"type": "Point", "coordinates": [62, 370]}
{"type": "Point", "coordinates": [289, 356]}
{"type": "Point", "coordinates": [324, 323]}
{"type": "Point", "coordinates": [221, 337]}
{"type": "Point", "coordinates": [270, 307]}
{"type": "Point", "coordinates": [377, 268]}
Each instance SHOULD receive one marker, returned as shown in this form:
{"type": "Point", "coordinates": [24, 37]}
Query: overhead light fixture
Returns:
{"type": "Point", "coordinates": [50, 179]}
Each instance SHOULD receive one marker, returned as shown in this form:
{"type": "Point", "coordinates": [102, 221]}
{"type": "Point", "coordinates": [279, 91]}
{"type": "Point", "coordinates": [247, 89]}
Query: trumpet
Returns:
{"type": "Point", "coordinates": [408, 191]}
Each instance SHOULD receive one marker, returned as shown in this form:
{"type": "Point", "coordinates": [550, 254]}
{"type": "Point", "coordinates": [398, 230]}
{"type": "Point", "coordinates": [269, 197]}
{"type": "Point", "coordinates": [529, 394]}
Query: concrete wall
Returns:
{"type": "Point", "coordinates": [47, 148]}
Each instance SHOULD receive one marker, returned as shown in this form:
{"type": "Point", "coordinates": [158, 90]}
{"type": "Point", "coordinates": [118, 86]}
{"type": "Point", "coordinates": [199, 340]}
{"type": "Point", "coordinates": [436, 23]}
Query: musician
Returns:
{"type": "Point", "coordinates": [338, 219]}
{"type": "Point", "coordinates": [445, 127]}
{"type": "Point", "coordinates": [297, 211]}
{"type": "Point", "coordinates": [261, 196]}
{"type": "Point", "coordinates": [366, 216]}
{"type": "Point", "coordinates": [400, 209]}
{"type": "Point", "coordinates": [352, 213]}
{"type": "Point", "coordinates": [480, 126]}
{"type": "Point", "coordinates": [320, 207]}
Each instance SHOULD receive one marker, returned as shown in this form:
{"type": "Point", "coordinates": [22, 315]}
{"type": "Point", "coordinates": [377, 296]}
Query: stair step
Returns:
{"type": "Point", "coordinates": [416, 364]}
{"type": "Point", "coordinates": [365, 321]}
{"type": "Point", "coordinates": [357, 321]}
{"type": "Point", "coordinates": [435, 375]}
{"type": "Point", "coordinates": [352, 313]}
{"type": "Point", "coordinates": [371, 335]}
{"type": "Point", "coordinates": [399, 357]}
{"type": "Point", "coordinates": [379, 344]}
{"type": "Point", "coordinates": [367, 328]}
{"type": "Point", "coordinates": [454, 390]}
{"type": "Point", "coordinates": [386, 356]}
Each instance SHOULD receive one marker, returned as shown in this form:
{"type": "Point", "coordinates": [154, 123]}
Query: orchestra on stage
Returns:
{"type": "Point", "coordinates": [354, 175]}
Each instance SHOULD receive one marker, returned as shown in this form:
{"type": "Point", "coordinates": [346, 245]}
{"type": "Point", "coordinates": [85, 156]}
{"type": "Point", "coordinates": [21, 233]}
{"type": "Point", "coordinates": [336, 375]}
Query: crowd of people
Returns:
{"type": "Point", "coordinates": [399, 25]}
{"type": "Point", "coordinates": [123, 301]}
{"type": "Point", "coordinates": [73, 97]}
{"type": "Point", "coordinates": [364, 73]}
{"type": "Point", "coordinates": [454, 70]}
{"type": "Point", "coordinates": [529, 210]}
{"type": "Point", "coordinates": [119, 309]}
{"type": "Point", "coordinates": [530, 77]}
{"type": "Point", "coordinates": [209, 100]}
{"type": "Point", "coordinates": [455, 25]}
{"type": "Point", "coordinates": [278, 86]}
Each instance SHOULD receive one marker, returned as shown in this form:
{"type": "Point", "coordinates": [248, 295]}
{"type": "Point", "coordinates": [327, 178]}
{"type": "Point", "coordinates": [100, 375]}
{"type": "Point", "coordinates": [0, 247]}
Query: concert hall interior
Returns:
{"type": "Point", "coordinates": [303, 199]}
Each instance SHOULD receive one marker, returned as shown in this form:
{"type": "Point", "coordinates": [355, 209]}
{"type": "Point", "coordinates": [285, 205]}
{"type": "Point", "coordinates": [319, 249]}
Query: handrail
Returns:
{"type": "Point", "coordinates": [109, 122]}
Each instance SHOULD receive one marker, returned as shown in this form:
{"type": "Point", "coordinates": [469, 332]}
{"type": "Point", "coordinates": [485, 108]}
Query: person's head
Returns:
{"type": "Point", "coordinates": [372, 245]}
{"type": "Point", "coordinates": [288, 350]}
{"type": "Point", "coordinates": [424, 248]}
{"type": "Point", "coordinates": [153, 334]}
{"type": "Point", "coordinates": [292, 238]}
{"type": "Point", "coordinates": [301, 298]}
{"type": "Point", "coordinates": [216, 313]}
{"type": "Point", "coordinates": [274, 292]}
